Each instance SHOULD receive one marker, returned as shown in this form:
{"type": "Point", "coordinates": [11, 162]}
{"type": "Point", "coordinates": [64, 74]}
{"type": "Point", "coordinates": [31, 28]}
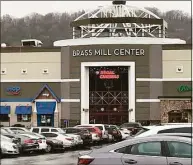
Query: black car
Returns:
{"type": "Point", "coordinates": [24, 143]}
{"type": "Point", "coordinates": [83, 132]}
{"type": "Point", "coordinates": [53, 145]}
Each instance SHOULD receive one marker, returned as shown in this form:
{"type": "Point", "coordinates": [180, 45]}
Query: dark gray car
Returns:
{"type": "Point", "coordinates": [159, 150]}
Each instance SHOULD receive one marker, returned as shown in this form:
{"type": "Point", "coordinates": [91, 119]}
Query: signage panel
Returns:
{"type": "Point", "coordinates": [184, 88]}
{"type": "Point", "coordinates": [14, 91]}
{"type": "Point", "coordinates": [108, 52]}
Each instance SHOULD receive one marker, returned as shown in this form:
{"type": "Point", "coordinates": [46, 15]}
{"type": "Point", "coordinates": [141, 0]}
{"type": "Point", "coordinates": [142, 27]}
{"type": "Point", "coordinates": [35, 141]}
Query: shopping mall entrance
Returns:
{"type": "Point", "coordinates": [108, 95]}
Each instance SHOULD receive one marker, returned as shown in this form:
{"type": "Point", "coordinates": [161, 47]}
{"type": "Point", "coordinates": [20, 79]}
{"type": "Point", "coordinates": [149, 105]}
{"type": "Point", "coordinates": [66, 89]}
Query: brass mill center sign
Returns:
{"type": "Point", "coordinates": [109, 52]}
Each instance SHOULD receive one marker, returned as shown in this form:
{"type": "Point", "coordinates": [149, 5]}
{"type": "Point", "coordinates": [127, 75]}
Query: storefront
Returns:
{"type": "Point", "coordinates": [116, 69]}
{"type": "Point", "coordinates": [176, 104]}
{"type": "Point", "coordinates": [22, 104]}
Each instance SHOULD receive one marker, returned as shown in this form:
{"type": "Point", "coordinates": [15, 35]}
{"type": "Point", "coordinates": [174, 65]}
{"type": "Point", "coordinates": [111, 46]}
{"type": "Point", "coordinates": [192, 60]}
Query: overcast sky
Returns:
{"type": "Point", "coordinates": [23, 8]}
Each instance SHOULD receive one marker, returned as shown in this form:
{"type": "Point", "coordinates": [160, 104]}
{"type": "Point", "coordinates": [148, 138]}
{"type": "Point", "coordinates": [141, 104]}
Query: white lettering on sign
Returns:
{"type": "Point", "coordinates": [109, 52]}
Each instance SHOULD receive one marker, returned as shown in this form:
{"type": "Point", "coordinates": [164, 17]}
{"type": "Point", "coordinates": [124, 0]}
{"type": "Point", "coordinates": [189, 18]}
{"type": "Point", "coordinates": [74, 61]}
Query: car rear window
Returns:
{"type": "Point", "coordinates": [45, 130]}
{"type": "Point", "coordinates": [36, 130]}
{"type": "Point", "coordinates": [176, 130]}
{"type": "Point", "coordinates": [85, 131]}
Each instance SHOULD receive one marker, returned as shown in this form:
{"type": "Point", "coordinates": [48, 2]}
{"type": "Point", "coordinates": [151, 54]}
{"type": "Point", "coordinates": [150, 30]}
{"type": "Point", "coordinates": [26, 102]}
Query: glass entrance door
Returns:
{"type": "Point", "coordinates": [45, 120]}
{"type": "Point", "coordinates": [108, 95]}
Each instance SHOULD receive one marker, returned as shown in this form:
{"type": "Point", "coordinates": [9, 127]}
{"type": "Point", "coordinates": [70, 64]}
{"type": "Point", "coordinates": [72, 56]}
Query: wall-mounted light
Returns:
{"type": "Point", "coordinates": [85, 110]}
{"type": "Point", "coordinates": [114, 109]}
{"type": "Point", "coordinates": [129, 110]}
{"type": "Point", "coordinates": [102, 109]}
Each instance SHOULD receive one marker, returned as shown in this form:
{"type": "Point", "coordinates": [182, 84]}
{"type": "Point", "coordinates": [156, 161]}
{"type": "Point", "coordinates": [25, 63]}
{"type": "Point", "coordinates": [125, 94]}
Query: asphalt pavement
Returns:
{"type": "Point", "coordinates": [66, 158]}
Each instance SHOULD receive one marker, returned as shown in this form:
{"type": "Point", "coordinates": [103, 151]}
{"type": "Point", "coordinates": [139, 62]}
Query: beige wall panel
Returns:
{"type": "Point", "coordinates": [169, 69]}
{"type": "Point", "coordinates": [34, 62]}
{"type": "Point", "coordinates": [31, 57]}
{"type": "Point", "coordinates": [34, 71]}
{"type": "Point", "coordinates": [171, 55]}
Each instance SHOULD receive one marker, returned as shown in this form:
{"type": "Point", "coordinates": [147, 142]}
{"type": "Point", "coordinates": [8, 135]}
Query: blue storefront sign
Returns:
{"type": "Point", "coordinates": [15, 90]}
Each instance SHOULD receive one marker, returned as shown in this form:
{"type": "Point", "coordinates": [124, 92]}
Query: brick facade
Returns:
{"type": "Point", "coordinates": [178, 105]}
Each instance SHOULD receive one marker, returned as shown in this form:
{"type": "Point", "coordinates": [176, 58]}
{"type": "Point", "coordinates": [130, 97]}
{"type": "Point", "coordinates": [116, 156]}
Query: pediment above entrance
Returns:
{"type": "Point", "coordinates": [46, 93]}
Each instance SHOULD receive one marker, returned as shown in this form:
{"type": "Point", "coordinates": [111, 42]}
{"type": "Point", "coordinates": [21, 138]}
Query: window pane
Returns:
{"type": "Point", "coordinates": [179, 149]}
{"type": "Point", "coordinates": [23, 118]}
{"type": "Point", "coordinates": [121, 150]}
{"type": "Point", "coordinates": [166, 131]}
{"type": "Point", "coordinates": [149, 148]}
{"type": "Point", "coordinates": [54, 130]}
{"type": "Point", "coordinates": [45, 130]}
{"type": "Point", "coordinates": [4, 117]}
{"type": "Point", "coordinates": [177, 130]}
{"type": "Point", "coordinates": [36, 130]}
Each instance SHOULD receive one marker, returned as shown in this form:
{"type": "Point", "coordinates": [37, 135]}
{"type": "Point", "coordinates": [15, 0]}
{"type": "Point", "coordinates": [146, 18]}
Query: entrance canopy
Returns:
{"type": "Point", "coordinates": [45, 107]}
{"type": "Point", "coordinates": [23, 110]}
{"type": "Point", "coordinates": [4, 110]}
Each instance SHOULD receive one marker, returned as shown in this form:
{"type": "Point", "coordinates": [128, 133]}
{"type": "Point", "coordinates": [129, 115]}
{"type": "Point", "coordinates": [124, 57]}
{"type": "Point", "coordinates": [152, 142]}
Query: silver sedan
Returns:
{"type": "Point", "coordinates": [158, 150]}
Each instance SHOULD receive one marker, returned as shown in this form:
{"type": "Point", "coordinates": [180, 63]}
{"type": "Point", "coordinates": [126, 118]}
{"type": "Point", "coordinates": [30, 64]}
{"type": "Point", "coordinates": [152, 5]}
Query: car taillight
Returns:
{"type": "Point", "coordinates": [28, 141]}
{"type": "Point", "coordinates": [86, 160]}
{"type": "Point", "coordinates": [69, 139]}
{"type": "Point", "coordinates": [39, 141]}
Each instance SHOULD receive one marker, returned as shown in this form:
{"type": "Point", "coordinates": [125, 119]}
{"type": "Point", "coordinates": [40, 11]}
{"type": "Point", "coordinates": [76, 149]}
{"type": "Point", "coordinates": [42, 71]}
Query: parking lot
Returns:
{"type": "Point", "coordinates": [66, 158]}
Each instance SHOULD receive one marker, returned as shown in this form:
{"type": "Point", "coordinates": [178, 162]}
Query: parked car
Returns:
{"type": "Point", "coordinates": [84, 133]}
{"type": "Point", "coordinates": [13, 139]}
{"type": "Point", "coordinates": [28, 144]}
{"type": "Point", "coordinates": [18, 125]}
{"type": "Point", "coordinates": [95, 133]}
{"type": "Point", "coordinates": [115, 132]}
{"type": "Point", "coordinates": [54, 145]}
{"type": "Point", "coordinates": [8, 148]}
{"type": "Point", "coordinates": [153, 130]}
{"type": "Point", "coordinates": [134, 127]}
{"type": "Point", "coordinates": [8, 130]}
{"type": "Point", "coordinates": [162, 150]}
{"type": "Point", "coordinates": [36, 139]}
{"type": "Point", "coordinates": [77, 138]}
{"type": "Point", "coordinates": [17, 129]}
{"type": "Point", "coordinates": [105, 136]}
{"type": "Point", "coordinates": [68, 142]}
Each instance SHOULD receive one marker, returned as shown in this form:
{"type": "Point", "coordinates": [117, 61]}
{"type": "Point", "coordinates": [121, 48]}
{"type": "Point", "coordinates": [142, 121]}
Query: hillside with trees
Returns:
{"type": "Point", "coordinates": [56, 26]}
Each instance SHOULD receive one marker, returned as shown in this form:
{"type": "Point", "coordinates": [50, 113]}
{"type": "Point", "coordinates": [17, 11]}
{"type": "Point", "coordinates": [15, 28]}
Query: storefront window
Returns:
{"type": "Point", "coordinates": [4, 117]}
{"type": "Point", "coordinates": [23, 118]}
{"type": "Point", "coordinates": [178, 117]}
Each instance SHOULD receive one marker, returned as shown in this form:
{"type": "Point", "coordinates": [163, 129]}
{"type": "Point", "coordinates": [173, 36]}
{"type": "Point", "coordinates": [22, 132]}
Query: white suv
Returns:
{"type": "Point", "coordinates": [153, 130]}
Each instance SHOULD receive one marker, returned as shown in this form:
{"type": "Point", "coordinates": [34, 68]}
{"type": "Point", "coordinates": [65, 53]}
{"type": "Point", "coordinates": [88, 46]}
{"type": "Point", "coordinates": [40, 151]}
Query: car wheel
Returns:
{"type": "Point", "coordinates": [48, 148]}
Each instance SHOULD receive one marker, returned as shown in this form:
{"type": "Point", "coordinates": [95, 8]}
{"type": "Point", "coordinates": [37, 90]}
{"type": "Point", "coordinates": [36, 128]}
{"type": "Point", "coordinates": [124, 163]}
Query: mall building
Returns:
{"type": "Point", "coordinates": [119, 67]}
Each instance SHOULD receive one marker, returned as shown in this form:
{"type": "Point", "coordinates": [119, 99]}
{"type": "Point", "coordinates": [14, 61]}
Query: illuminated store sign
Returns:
{"type": "Point", "coordinates": [13, 90]}
{"type": "Point", "coordinates": [107, 74]}
{"type": "Point", "coordinates": [184, 88]}
{"type": "Point", "coordinates": [109, 52]}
